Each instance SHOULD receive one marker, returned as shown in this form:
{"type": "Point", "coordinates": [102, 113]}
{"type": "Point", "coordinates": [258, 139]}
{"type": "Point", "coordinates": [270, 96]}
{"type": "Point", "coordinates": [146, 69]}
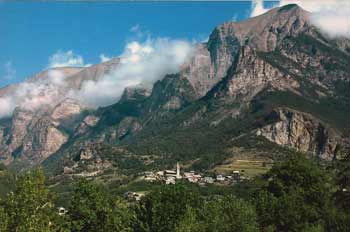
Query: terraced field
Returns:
{"type": "Point", "coordinates": [247, 167]}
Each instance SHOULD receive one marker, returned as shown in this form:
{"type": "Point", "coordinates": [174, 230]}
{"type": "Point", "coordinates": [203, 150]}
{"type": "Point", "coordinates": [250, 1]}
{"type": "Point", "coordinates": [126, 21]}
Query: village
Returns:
{"type": "Point", "coordinates": [173, 176]}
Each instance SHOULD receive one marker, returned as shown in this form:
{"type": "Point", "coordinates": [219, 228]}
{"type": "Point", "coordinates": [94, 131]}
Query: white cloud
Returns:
{"type": "Point", "coordinates": [36, 95]}
{"type": "Point", "coordinates": [66, 59]}
{"type": "Point", "coordinates": [141, 65]}
{"type": "Point", "coordinates": [104, 58]}
{"type": "Point", "coordinates": [135, 28]}
{"type": "Point", "coordinates": [6, 106]}
{"type": "Point", "coordinates": [331, 16]}
{"type": "Point", "coordinates": [10, 72]}
{"type": "Point", "coordinates": [258, 8]}
{"type": "Point", "coordinates": [334, 20]}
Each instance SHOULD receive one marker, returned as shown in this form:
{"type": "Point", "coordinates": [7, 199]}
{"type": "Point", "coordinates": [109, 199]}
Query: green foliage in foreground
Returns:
{"type": "Point", "coordinates": [163, 208]}
{"type": "Point", "coordinates": [92, 208]}
{"type": "Point", "coordinates": [295, 195]}
{"type": "Point", "coordinates": [29, 207]}
{"type": "Point", "coordinates": [220, 215]}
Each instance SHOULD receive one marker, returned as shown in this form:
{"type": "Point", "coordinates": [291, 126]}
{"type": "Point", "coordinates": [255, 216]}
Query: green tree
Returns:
{"type": "Point", "coordinates": [343, 182]}
{"type": "Point", "coordinates": [92, 208]}
{"type": "Point", "coordinates": [339, 218]}
{"type": "Point", "coordinates": [190, 222]}
{"type": "Point", "coordinates": [221, 215]}
{"type": "Point", "coordinates": [3, 220]}
{"type": "Point", "coordinates": [30, 207]}
{"type": "Point", "coordinates": [297, 196]}
{"type": "Point", "coordinates": [162, 209]}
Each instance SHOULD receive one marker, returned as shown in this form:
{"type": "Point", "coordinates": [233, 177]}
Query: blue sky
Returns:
{"type": "Point", "coordinates": [33, 32]}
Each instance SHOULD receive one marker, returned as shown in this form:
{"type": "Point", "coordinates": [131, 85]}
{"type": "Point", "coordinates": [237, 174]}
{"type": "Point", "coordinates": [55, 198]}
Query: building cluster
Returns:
{"type": "Point", "coordinates": [171, 176]}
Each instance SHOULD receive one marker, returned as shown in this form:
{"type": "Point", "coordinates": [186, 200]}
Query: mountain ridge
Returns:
{"type": "Point", "coordinates": [226, 96]}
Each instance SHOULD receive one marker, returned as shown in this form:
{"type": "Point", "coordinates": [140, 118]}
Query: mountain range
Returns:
{"type": "Point", "coordinates": [264, 87]}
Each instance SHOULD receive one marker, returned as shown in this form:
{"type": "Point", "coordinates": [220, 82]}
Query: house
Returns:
{"type": "Point", "coordinates": [208, 179]}
{"type": "Point", "coordinates": [62, 211]}
{"type": "Point", "coordinates": [188, 174]}
{"type": "Point", "coordinates": [170, 173]}
{"type": "Point", "coordinates": [192, 177]}
{"type": "Point", "coordinates": [220, 178]}
{"type": "Point", "coordinates": [160, 173]}
{"type": "Point", "coordinates": [150, 177]}
{"type": "Point", "coordinates": [236, 175]}
{"type": "Point", "coordinates": [170, 180]}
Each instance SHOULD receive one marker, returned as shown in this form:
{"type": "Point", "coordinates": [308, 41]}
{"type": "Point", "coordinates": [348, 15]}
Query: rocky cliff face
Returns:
{"type": "Point", "coordinates": [302, 132]}
{"type": "Point", "coordinates": [254, 75]}
{"type": "Point", "coordinates": [33, 137]}
{"type": "Point", "coordinates": [43, 139]}
{"type": "Point", "coordinates": [211, 61]}
{"type": "Point", "coordinates": [215, 97]}
{"type": "Point", "coordinates": [12, 141]}
{"type": "Point", "coordinates": [68, 108]}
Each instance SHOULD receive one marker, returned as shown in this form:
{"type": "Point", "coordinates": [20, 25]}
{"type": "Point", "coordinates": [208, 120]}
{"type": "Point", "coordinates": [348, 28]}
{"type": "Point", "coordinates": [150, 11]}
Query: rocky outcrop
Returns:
{"type": "Point", "coordinates": [128, 126]}
{"type": "Point", "coordinates": [11, 143]}
{"type": "Point", "coordinates": [42, 140]}
{"type": "Point", "coordinates": [134, 94]}
{"type": "Point", "coordinates": [31, 138]}
{"type": "Point", "coordinates": [211, 61]}
{"type": "Point", "coordinates": [67, 109]}
{"type": "Point", "coordinates": [253, 75]}
{"type": "Point", "coordinates": [1, 134]}
{"type": "Point", "coordinates": [20, 121]}
{"type": "Point", "coordinates": [170, 94]}
{"type": "Point", "coordinates": [87, 163]}
{"type": "Point", "coordinates": [302, 132]}
{"type": "Point", "coordinates": [89, 122]}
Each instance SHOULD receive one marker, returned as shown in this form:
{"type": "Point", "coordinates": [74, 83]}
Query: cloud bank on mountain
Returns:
{"type": "Point", "coordinates": [66, 59]}
{"type": "Point", "coordinates": [34, 95]}
{"type": "Point", "coordinates": [142, 63]}
{"type": "Point", "coordinates": [331, 16]}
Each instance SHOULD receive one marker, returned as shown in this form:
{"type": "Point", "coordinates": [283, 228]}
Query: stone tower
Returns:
{"type": "Point", "coordinates": [178, 175]}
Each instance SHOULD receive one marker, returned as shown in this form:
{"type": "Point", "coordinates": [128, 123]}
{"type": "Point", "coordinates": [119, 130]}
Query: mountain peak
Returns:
{"type": "Point", "coordinates": [289, 7]}
{"type": "Point", "coordinates": [263, 32]}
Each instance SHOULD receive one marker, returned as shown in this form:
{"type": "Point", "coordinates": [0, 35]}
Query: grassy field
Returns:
{"type": "Point", "coordinates": [247, 167]}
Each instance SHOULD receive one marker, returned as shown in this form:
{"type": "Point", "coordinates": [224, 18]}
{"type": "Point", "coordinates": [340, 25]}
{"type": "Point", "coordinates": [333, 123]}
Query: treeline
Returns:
{"type": "Point", "coordinates": [295, 195]}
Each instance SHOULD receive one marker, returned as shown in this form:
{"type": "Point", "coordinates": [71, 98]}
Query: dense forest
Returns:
{"type": "Point", "coordinates": [297, 194]}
